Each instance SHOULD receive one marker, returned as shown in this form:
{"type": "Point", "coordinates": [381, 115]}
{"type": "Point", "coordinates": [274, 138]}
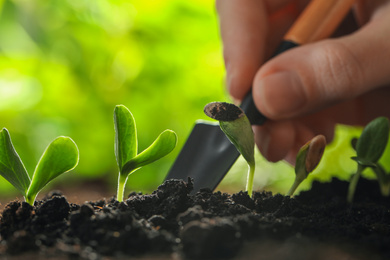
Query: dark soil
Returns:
{"type": "Point", "coordinates": [317, 224]}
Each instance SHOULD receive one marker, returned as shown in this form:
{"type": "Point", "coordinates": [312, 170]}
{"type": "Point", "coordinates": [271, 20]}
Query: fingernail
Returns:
{"type": "Point", "coordinates": [281, 94]}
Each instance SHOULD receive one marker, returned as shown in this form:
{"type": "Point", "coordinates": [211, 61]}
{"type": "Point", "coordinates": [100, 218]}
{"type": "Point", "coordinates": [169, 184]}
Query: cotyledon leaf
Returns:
{"type": "Point", "coordinates": [162, 146]}
{"type": "Point", "coordinates": [60, 156]}
{"type": "Point", "coordinates": [372, 142]}
{"type": "Point", "coordinates": [11, 166]}
{"type": "Point", "coordinates": [125, 135]}
{"type": "Point", "coordinates": [236, 126]}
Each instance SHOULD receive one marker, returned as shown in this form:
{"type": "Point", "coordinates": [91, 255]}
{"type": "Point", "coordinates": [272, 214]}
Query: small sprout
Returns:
{"type": "Point", "coordinates": [236, 126]}
{"type": "Point", "coordinates": [59, 157]}
{"type": "Point", "coordinates": [126, 147]}
{"type": "Point", "coordinates": [369, 149]}
{"type": "Point", "coordinates": [308, 158]}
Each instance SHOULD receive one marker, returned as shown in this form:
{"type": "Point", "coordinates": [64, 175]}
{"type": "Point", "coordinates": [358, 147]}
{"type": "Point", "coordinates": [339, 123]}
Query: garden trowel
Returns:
{"type": "Point", "coordinates": [208, 154]}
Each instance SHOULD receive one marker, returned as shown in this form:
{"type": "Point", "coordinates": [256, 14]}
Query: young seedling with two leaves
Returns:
{"type": "Point", "coordinates": [369, 149]}
{"type": "Point", "coordinates": [308, 158]}
{"type": "Point", "coordinates": [126, 147]}
{"type": "Point", "coordinates": [62, 155]}
{"type": "Point", "coordinates": [236, 126]}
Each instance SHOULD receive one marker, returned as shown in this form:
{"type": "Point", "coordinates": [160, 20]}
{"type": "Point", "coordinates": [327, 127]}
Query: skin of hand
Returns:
{"type": "Point", "coordinates": [309, 89]}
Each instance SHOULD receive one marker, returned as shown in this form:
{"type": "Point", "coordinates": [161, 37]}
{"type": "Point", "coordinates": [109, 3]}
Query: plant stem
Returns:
{"type": "Point", "coordinates": [294, 187]}
{"type": "Point", "coordinates": [249, 182]}
{"type": "Point", "coordinates": [353, 183]}
{"type": "Point", "coordinates": [385, 189]}
{"type": "Point", "coordinates": [383, 179]}
{"type": "Point", "coordinates": [121, 187]}
{"type": "Point", "coordinates": [30, 199]}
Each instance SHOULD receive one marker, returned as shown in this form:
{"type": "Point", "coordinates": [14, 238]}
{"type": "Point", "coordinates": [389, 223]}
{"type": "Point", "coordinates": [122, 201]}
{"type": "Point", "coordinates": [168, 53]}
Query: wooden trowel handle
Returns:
{"type": "Point", "coordinates": [318, 21]}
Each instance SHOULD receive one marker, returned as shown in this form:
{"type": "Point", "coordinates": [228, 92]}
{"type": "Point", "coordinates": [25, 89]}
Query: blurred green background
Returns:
{"type": "Point", "coordinates": [64, 65]}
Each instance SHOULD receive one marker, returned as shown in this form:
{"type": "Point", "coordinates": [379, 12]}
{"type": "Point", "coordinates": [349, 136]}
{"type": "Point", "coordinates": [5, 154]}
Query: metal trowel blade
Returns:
{"type": "Point", "coordinates": [206, 157]}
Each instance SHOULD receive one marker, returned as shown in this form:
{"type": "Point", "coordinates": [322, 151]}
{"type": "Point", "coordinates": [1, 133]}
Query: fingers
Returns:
{"type": "Point", "coordinates": [308, 78]}
{"type": "Point", "coordinates": [244, 31]}
{"type": "Point", "coordinates": [282, 139]}
{"type": "Point", "coordinates": [275, 139]}
{"type": "Point", "coordinates": [243, 28]}
{"type": "Point", "coordinates": [364, 9]}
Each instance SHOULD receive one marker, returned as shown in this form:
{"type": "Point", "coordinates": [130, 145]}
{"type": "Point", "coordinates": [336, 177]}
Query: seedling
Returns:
{"type": "Point", "coordinates": [308, 157]}
{"type": "Point", "coordinates": [369, 149]}
{"type": "Point", "coordinates": [126, 147]}
{"type": "Point", "coordinates": [59, 157]}
{"type": "Point", "coordinates": [236, 126]}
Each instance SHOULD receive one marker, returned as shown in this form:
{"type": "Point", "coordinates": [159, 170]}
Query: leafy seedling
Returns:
{"type": "Point", "coordinates": [60, 156]}
{"type": "Point", "coordinates": [236, 126]}
{"type": "Point", "coordinates": [369, 149]}
{"type": "Point", "coordinates": [126, 147]}
{"type": "Point", "coordinates": [308, 158]}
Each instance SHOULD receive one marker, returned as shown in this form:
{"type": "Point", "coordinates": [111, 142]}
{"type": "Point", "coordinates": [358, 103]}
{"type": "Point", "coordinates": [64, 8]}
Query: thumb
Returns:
{"type": "Point", "coordinates": [318, 75]}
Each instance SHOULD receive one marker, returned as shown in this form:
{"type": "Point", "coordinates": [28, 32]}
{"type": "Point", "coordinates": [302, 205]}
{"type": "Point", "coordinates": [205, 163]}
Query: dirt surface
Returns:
{"type": "Point", "coordinates": [171, 224]}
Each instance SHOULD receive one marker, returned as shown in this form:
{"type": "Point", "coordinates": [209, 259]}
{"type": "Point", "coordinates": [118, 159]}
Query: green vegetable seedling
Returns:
{"type": "Point", "coordinates": [236, 126]}
{"type": "Point", "coordinates": [308, 158]}
{"type": "Point", "coordinates": [126, 147]}
{"type": "Point", "coordinates": [369, 149]}
{"type": "Point", "coordinates": [60, 156]}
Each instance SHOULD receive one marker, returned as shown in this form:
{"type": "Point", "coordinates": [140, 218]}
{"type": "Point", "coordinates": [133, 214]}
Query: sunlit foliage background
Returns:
{"type": "Point", "coordinates": [64, 65]}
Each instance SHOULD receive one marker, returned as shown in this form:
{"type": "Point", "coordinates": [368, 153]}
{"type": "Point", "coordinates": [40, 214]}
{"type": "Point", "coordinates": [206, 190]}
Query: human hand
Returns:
{"type": "Point", "coordinates": [307, 90]}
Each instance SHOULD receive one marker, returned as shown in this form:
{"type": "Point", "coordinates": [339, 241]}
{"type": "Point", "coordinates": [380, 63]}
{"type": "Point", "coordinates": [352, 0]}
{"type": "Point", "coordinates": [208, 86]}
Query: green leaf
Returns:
{"type": "Point", "coordinates": [372, 142]}
{"type": "Point", "coordinates": [236, 126]}
{"type": "Point", "coordinates": [11, 166]}
{"type": "Point", "coordinates": [241, 135]}
{"type": "Point", "coordinates": [125, 136]}
{"type": "Point", "coordinates": [162, 146]}
{"type": "Point", "coordinates": [60, 156]}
